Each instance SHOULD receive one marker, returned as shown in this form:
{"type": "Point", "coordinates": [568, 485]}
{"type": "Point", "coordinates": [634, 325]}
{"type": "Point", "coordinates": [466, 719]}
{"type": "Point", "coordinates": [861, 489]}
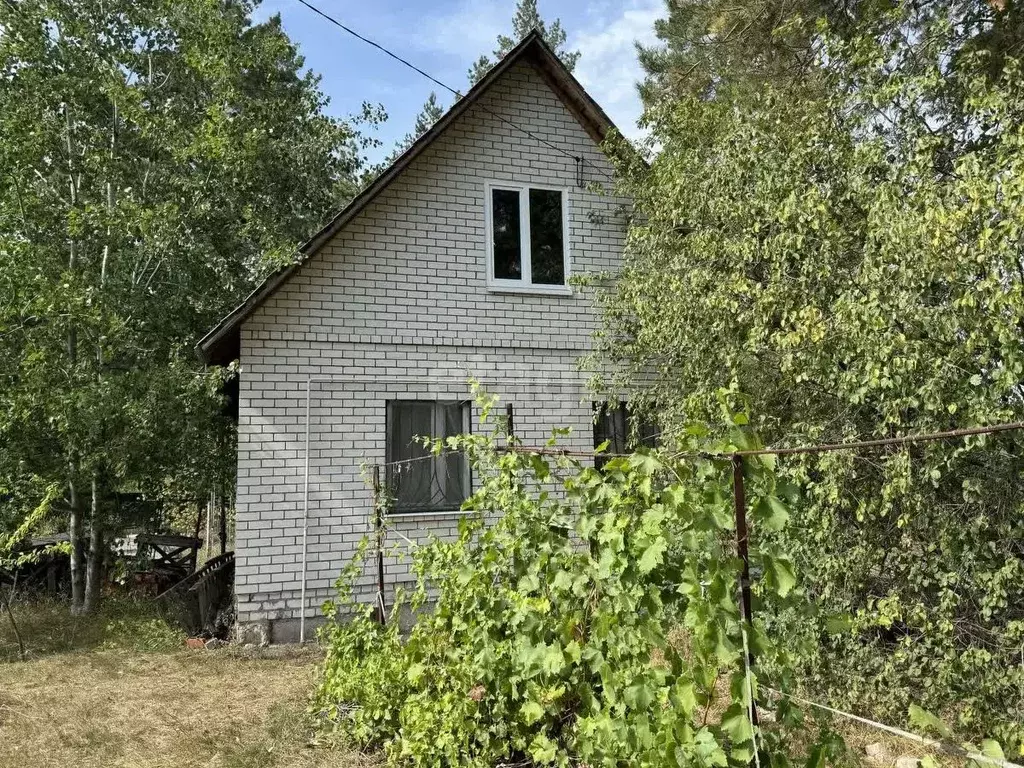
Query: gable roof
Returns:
{"type": "Point", "coordinates": [222, 343]}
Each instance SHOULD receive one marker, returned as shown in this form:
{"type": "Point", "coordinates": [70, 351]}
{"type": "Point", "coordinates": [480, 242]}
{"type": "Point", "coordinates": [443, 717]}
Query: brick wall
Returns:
{"type": "Point", "coordinates": [397, 306]}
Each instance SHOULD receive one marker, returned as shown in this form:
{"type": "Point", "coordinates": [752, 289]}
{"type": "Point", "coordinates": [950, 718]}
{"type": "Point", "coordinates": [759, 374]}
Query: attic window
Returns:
{"type": "Point", "coordinates": [527, 239]}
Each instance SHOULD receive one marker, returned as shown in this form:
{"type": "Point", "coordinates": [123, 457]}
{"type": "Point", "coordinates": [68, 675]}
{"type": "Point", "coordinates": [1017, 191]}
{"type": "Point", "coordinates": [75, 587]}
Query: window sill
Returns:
{"type": "Point", "coordinates": [535, 290]}
{"type": "Point", "coordinates": [428, 515]}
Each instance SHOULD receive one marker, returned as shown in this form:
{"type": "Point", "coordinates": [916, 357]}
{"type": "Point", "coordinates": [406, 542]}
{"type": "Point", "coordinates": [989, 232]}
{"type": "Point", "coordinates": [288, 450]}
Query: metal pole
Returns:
{"type": "Point", "coordinates": [378, 521]}
{"type": "Point", "coordinates": [221, 442]}
{"type": "Point", "coordinates": [223, 520]}
{"type": "Point", "coordinates": [305, 525]}
{"type": "Point", "coordinates": [739, 496]}
{"type": "Point", "coordinates": [209, 513]}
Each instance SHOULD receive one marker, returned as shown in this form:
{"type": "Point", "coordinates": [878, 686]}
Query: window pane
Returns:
{"type": "Point", "coordinates": [615, 426]}
{"type": "Point", "coordinates": [409, 476]}
{"type": "Point", "coordinates": [611, 424]}
{"type": "Point", "coordinates": [455, 465]}
{"type": "Point", "coordinates": [416, 480]}
{"type": "Point", "coordinates": [508, 252]}
{"type": "Point", "coordinates": [407, 420]}
{"type": "Point", "coordinates": [547, 251]}
{"type": "Point", "coordinates": [648, 434]}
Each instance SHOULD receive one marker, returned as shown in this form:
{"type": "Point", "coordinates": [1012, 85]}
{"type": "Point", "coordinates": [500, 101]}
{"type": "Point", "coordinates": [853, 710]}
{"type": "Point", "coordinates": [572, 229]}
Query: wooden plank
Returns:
{"type": "Point", "coordinates": [167, 539]}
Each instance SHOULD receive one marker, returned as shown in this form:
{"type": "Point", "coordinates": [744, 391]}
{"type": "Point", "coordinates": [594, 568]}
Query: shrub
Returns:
{"type": "Point", "coordinates": [547, 642]}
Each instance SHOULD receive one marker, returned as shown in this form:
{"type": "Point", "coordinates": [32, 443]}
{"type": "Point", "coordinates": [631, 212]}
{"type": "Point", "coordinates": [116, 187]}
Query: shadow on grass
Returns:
{"type": "Point", "coordinates": [48, 628]}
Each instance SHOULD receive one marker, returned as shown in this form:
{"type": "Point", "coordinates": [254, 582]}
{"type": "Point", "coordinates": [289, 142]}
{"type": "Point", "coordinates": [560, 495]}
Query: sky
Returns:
{"type": "Point", "coordinates": [445, 37]}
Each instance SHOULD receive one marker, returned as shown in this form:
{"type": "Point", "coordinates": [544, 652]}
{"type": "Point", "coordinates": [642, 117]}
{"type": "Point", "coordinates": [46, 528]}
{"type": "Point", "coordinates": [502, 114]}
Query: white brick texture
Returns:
{"type": "Point", "coordinates": [397, 306]}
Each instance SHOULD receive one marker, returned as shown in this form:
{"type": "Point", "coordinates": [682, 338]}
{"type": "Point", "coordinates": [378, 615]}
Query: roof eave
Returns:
{"type": "Point", "coordinates": [222, 343]}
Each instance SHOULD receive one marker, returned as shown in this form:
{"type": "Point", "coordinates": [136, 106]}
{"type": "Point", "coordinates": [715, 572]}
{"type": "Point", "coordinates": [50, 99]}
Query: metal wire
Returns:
{"type": "Point", "coordinates": [884, 442]}
{"type": "Point", "coordinates": [580, 454]}
{"type": "Point", "coordinates": [411, 486]}
{"type": "Point", "coordinates": [399, 534]}
{"type": "Point", "coordinates": [939, 745]}
{"type": "Point", "coordinates": [822, 448]}
{"type": "Point", "coordinates": [413, 460]}
{"type": "Point", "coordinates": [579, 159]}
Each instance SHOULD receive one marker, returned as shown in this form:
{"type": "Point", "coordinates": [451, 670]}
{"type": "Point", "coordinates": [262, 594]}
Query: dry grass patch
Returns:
{"type": "Point", "coordinates": [218, 709]}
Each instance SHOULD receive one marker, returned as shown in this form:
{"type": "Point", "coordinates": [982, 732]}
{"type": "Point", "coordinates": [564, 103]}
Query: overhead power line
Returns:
{"type": "Point", "coordinates": [458, 94]}
{"type": "Point", "coordinates": [380, 48]}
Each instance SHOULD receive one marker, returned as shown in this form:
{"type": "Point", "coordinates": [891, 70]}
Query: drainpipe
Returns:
{"type": "Point", "coordinates": [305, 523]}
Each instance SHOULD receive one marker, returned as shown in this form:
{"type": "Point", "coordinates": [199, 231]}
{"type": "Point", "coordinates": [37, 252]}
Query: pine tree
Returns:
{"type": "Point", "coordinates": [526, 19]}
{"type": "Point", "coordinates": [428, 115]}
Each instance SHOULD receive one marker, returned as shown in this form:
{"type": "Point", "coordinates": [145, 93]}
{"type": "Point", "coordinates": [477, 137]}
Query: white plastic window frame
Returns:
{"type": "Point", "coordinates": [525, 284]}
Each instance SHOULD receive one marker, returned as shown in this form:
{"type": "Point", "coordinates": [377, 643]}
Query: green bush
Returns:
{"type": "Point", "coordinates": [547, 641]}
{"type": "Point", "coordinates": [916, 554]}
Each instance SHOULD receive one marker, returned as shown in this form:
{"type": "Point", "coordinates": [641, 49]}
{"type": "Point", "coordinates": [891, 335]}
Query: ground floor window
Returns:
{"type": "Point", "coordinates": [416, 480]}
{"type": "Point", "coordinates": [613, 423]}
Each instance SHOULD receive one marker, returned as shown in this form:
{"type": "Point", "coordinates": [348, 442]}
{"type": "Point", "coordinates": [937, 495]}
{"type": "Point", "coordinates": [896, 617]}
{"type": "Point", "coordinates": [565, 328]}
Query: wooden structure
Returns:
{"type": "Point", "coordinates": [48, 571]}
{"type": "Point", "coordinates": [170, 557]}
{"type": "Point", "coordinates": [200, 601]}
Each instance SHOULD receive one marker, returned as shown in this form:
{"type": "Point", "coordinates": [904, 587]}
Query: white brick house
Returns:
{"type": "Point", "coordinates": [454, 263]}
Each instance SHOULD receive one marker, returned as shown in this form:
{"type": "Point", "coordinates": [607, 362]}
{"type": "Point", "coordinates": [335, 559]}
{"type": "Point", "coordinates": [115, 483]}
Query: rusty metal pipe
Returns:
{"type": "Point", "coordinates": [742, 550]}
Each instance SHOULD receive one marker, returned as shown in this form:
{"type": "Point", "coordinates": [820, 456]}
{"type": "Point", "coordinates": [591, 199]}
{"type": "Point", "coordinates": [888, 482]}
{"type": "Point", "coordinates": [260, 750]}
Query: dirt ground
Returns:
{"type": "Point", "coordinates": [119, 689]}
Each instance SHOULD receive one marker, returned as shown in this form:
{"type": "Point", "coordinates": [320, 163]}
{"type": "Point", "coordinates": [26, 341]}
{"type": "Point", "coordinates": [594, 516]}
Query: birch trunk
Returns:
{"type": "Point", "coordinates": [76, 522]}
{"type": "Point", "coordinates": [94, 564]}
{"type": "Point", "coordinates": [75, 539]}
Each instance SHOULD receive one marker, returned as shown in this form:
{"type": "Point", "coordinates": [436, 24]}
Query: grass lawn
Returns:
{"type": "Point", "coordinates": [119, 690]}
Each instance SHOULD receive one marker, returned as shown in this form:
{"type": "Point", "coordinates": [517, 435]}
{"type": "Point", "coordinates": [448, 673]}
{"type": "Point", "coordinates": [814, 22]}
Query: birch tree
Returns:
{"type": "Point", "coordinates": [156, 158]}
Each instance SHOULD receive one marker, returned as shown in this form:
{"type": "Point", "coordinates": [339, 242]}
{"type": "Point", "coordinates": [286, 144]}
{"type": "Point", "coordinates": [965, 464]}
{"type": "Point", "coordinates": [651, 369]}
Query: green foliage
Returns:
{"type": "Point", "coordinates": [977, 756]}
{"type": "Point", "coordinates": [838, 238]}
{"type": "Point", "coordinates": [119, 624]}
{"type": "Point", "coordinates": [547, 641]}
{"type": "Point", "coordinates": [156, 158]}
{"type": "Point", "coordinates": [430, 113]}
{"type": "Point", "coordinates": [136, 629]}
{"type": "Point", "coordinates": [19, 524]}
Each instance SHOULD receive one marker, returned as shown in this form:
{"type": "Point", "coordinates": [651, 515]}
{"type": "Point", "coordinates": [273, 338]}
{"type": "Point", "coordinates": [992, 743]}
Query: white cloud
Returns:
{"type": "Point", "coordinates": [608, 67]}
{"type": "Point", "coordinates": [467, 30]}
